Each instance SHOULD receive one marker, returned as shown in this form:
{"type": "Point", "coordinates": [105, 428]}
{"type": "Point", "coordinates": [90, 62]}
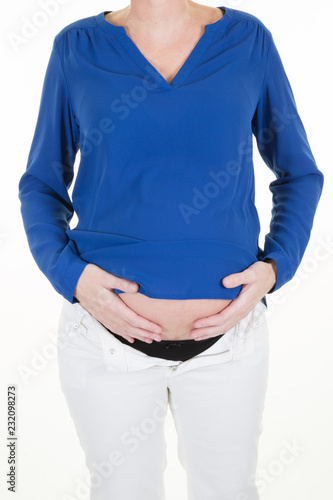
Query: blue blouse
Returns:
{"type": "Point", "coordinates": [164, 192]}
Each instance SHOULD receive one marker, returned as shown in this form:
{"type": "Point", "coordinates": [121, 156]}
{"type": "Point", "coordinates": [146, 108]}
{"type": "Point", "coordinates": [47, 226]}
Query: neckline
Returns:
{"type": "Point", "coordinates": [120, 30]}
{"type": "Point", "coordinates": [126, 43]}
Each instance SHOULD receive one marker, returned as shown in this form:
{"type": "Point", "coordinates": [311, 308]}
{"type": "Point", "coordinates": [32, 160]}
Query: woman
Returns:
{"type": "Point", "coordinates": [163, 279]}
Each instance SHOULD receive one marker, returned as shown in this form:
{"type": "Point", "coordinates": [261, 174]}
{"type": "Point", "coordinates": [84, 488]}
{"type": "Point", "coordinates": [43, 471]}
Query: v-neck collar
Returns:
{"type": "Point", "coordinates": [133, 51]}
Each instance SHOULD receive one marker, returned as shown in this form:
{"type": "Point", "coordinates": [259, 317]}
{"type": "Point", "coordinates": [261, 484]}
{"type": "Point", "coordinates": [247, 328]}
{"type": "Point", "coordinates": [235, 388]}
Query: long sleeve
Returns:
{"type": "Point", "coordinates": [283, 145]}
{"type": "Point", "coordinates": [45, 204]}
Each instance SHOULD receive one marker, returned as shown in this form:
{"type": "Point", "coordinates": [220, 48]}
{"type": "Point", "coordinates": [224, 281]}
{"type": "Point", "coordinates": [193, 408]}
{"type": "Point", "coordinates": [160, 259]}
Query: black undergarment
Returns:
{"type": "Point", "coordinates": [176, 350]}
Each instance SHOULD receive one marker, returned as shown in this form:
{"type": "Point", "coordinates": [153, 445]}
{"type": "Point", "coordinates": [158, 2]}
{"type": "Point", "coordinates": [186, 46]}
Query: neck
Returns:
{"type": "Point", "coordinates": [160, 17]}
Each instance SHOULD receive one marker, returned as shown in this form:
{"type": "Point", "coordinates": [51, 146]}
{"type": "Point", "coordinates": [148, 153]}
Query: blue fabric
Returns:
{"type": "Point", "coordinates": [164, 191]}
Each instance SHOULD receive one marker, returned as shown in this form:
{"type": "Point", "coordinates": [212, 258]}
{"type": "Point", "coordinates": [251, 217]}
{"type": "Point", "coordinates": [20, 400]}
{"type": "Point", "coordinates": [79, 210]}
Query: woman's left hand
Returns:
{"type": "Point", "coordinates": [258, 279]}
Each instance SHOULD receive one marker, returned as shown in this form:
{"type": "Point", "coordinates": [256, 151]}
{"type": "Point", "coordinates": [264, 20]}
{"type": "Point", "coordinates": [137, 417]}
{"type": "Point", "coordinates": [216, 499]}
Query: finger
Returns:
{"type": "Point", "coordinates": [220, 318]}
{"type": "Point", "coordinates": [130, 333]}
{"type": "Point", "coordinates": [138, 337]}
{"type": "Point", "coordinates": [127, 337]}
{"type": "Point", "coordinates": [204, 333]}
{"type": "Point", "coordinates": [134, 319]}
{"type": "Point", "coordinates": [140, 334]}
{"type": "Point", "coordinates": [237, 279]}
{"type": "Point", "coordinates": [204, 337]}
{"type": "Point", "coordinates": [210, 331]}
{"type": "Point", "coordinates": [121, 327]}
{"type": "Point", "coordinates": [221, 322]}
{"type": "Point", "coordinates": [113, 281]}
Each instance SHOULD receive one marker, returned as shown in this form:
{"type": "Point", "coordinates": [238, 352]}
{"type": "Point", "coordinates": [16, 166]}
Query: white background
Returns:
{"type": "Point", "coordinates": [299, 405]}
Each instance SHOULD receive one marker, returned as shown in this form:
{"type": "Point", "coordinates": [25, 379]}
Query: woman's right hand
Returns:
{"type": "Point", "coordinates": [94, 291]}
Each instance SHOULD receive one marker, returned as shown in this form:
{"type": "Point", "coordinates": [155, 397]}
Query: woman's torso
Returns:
{"type": "Point", "coordinates": [168, 56]}
{"type": "Point", "coordinates": [176, 317]}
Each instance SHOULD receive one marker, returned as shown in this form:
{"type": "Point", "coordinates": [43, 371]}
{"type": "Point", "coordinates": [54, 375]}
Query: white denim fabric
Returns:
{"type": "Point", "coordinates": [118, 398]}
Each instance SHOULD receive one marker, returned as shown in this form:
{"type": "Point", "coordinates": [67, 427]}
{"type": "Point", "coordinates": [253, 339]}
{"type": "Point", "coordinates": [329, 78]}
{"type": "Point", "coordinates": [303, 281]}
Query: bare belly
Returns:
{"type": "Point", "coordinates": [176, 317]}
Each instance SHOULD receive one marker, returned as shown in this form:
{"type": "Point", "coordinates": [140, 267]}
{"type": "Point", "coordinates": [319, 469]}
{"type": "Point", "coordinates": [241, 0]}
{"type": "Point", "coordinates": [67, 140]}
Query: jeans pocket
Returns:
{"type": "Point", "coordinates": [254, 319]}
{"type": "Point", "coordinates": [249, 332]}
{"type": "Point", "coordinates": [111, 350]}
{"type": "Point", "coordinates": [258, 315]}
{"type": "Point", "coordinates": [79, 346]}
{"type": "Point", "coordinates": [75, 323]}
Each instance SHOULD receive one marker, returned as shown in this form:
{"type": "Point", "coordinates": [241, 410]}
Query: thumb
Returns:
{"type": "Point", "coordinates": [232, 280]}
{"type": "Point", "coordinates": [122, 284]}
{"type": "Point", "coordinates": [126, 285]}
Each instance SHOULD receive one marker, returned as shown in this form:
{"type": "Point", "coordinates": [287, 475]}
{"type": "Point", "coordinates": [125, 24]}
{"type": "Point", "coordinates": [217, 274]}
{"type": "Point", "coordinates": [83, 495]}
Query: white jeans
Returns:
{"type": "Point", "coordinates": [118, 399]}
